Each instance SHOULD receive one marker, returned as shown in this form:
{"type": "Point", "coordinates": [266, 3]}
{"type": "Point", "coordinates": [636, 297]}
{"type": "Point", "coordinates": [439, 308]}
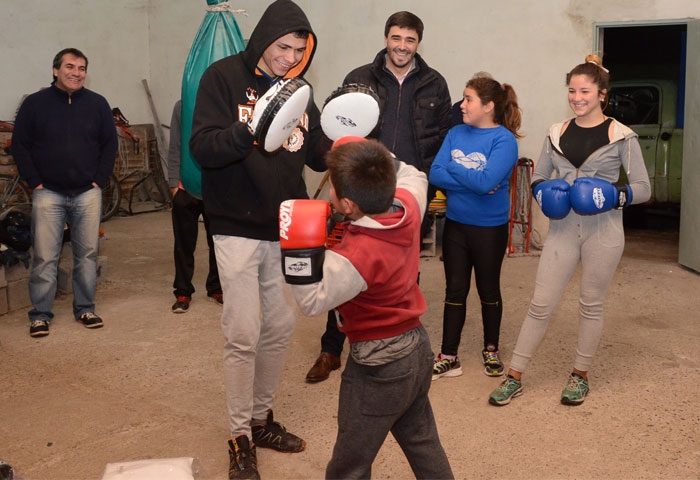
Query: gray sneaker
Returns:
{"type": "Point", "coordinates": [506, 391]}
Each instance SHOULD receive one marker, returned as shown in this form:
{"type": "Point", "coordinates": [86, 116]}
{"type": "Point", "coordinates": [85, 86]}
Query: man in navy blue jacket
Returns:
{"type": "Point", "coordinates": [414, 104]}
{"type": "Point", "coordinates": [64, 144]}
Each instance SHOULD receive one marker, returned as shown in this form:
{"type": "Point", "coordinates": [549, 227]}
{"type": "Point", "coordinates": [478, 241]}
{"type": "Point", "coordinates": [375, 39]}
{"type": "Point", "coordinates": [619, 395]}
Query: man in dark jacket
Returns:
{"type": "Point", "coordinates": [64, 144]}
{"type": "Point", "coordinates": [242, 188]}
{"type": "Point", "coordinates": [414, 106]}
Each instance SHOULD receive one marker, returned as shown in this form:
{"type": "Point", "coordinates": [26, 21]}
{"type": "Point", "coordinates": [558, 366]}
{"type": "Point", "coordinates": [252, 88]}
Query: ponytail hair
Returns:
{"type": "Point", "coordinates": [505, 101]}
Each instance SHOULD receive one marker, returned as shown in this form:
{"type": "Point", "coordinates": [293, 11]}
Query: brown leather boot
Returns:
{"type": "Point", "coordinates": [325, 363]}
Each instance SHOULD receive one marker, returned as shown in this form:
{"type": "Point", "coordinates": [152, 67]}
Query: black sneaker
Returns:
{"type": "Point", "coordinates": [90, 320]}
{"type": "Point", "coordinates": [39, 328]}
{"type": "Point", "coordinates": [274, 435]}
{"type": "Point", "coordinates": [217, 298]}
{"type": "Point", "coordinates": [493, 366]}
{"type": "Point", "coordinates": [444, 367]}
{"type": "Point", "coordinates": [243, 462]}
{"type": "Point", "coordinates": [6, 471]}
{"type": "Point", "coordinates": [182, 304]}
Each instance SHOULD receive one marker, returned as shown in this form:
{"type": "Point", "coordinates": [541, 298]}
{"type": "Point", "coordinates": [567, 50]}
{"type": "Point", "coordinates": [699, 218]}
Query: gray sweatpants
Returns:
{"type": "Point", "coordinates": [596, 242]}
{"type": "Point", "coordinates": [258, 321]}
{"type": "Point", "coordinates": [376, 400]}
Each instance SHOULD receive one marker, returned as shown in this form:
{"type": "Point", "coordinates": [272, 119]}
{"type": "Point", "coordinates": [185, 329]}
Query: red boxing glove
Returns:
{"type": "Point", "coordinates": [303, 233]}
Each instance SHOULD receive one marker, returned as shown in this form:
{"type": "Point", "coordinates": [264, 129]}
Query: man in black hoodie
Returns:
{"type": "Point", "coordinates": [242, 188]}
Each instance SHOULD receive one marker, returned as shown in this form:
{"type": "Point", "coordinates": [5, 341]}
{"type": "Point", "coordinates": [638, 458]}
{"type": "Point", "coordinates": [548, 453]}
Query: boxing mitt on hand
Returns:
{"type": "Point", "coordinates": [553, 197]}
{"type": "Point", "coordinates": [595, 195]}
{"type": "Point", "coordinates": [255, 119]}
{"type": "Point", "coordinates": [303, 233]}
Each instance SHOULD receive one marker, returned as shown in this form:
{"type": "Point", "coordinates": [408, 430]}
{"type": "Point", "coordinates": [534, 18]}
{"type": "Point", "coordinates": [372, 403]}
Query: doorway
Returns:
{"type": "Point", "coordinates": [666, 49]}
{"type": "Point", "coordinates": [647, 71]}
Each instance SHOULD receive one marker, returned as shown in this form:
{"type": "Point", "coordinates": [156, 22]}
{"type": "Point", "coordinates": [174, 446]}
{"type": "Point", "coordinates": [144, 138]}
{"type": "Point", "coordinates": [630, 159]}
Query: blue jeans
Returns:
{"type": "Point", "coordinates": [50, 213]}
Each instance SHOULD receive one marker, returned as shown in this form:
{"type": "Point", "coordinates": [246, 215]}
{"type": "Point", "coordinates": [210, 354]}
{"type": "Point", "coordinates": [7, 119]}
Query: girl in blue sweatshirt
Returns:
{"type": "Point", "coordinates": [473, 168]}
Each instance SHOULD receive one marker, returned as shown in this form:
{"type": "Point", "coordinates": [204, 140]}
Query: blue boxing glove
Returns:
{"type": "Point", "coordinates": [595, 195]}
{"type": "Point", "coordinates": [553, 197]}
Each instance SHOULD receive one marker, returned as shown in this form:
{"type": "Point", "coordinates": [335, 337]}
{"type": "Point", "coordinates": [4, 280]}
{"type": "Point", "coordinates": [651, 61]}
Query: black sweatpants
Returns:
{"type": "Point", "coordinates": [185, 215]}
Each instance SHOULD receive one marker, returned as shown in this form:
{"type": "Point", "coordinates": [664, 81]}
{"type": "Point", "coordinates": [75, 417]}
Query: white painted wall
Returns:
{"type": "Point", "coordinates": [530, 44]}
{"type": "Point", "coordinates": [113, 35]}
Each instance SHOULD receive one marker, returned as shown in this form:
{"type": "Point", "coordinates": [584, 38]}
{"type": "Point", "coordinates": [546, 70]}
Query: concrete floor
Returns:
{"type": "Point", "coordinates": [149, 384]}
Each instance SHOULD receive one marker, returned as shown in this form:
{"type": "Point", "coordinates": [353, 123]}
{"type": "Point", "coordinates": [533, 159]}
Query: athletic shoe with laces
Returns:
{"type": "Point", "coordinates": [182, 304]}
{"type": "Point", "coordinates": [217, 298]}
{"type": "Point", "coordinates": [575, 391]}
{"type": "Point", "coordinates": [506, 391]}
{"type": "Point", "coordinates": [273, 435]}
{"type": "Point", "coordinates": [39, 328]}
{"type": "Point", "coordinates": [90, 320]}
{"type": "Point", "coordinates": [493, 367]}
{"type": "Point", "coordinates": [243, 461]}
{"type": "Point", "coordinates": [444, 367]}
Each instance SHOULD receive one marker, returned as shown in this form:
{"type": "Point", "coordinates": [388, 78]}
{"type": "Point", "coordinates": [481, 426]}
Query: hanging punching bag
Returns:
{"type": "Point", "coordinates": [218, 37]}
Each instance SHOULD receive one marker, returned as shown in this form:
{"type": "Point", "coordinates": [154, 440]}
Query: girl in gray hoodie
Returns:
{"type": "Point", "coordinates": [584, 205]}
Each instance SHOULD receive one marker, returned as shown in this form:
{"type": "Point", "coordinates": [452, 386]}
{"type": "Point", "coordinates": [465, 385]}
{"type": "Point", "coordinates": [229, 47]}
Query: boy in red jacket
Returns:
{"type": "Point", "coordinates": [371, 277]}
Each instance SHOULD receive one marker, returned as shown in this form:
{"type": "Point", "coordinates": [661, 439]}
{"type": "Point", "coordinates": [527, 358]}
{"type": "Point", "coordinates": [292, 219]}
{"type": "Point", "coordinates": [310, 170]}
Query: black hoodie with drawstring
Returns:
{"type": "Point", "coordinates": [242, 184]}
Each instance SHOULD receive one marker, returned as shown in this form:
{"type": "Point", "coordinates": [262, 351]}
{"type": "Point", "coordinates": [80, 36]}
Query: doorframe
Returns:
{"type": "Point", "coordinates": [599, 28]}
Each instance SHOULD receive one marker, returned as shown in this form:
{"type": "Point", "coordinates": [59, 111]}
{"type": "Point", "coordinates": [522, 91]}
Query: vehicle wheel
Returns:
{"type": "Point", "coordinates": [111, 198]}
{"type": "Point", "coordinates": [13, 192]}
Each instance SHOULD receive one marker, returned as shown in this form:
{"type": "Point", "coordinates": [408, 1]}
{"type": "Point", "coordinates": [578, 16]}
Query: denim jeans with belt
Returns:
{"type": "Point", "coordinates": [51, 211]}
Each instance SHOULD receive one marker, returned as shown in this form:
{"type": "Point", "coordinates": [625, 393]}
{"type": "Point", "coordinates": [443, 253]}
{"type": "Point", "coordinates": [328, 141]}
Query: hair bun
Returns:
{"type": "Point", "coordinates": [597, 61]}
{"type": "Point", "coordinates": [482, 74]}
{"type": "Point", "coordinates": [593, 58]}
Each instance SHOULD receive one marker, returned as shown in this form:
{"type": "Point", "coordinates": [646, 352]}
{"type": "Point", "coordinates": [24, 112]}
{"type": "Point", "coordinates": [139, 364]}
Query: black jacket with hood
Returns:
{"type": "Point", "coordinates": [429, 108]}
{"type": "Point", "coordinates": [242, 184]}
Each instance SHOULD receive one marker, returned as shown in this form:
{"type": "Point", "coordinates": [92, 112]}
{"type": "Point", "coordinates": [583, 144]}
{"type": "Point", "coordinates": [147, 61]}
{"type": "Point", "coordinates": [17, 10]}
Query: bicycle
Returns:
{"type": "Point", "coordinates": [111, 198]}
{"type": "Point", "coordinates": [13, 192]}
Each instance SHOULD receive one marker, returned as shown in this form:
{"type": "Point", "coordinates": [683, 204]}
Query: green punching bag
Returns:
{"type": "Point", "coordinates": [218, 37]}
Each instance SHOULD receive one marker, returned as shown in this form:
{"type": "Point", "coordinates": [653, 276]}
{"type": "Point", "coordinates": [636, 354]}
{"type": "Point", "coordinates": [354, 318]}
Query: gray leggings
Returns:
{"type": "Point", "coordinates": [596, 242]}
